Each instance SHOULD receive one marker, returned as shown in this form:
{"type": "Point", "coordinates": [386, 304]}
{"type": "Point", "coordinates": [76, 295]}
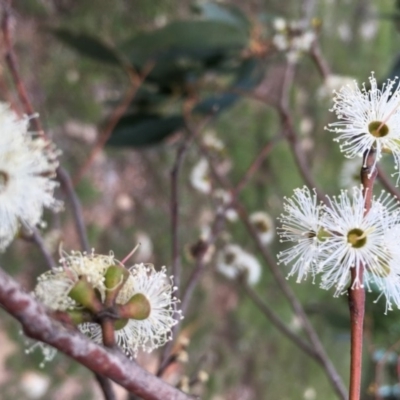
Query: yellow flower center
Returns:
{"type": "Point", "coordinates": [357, 238]}
{"type": "Point", "coordinates": [378, 129]}
{"type": "Point", "coordinates": [261, 226]}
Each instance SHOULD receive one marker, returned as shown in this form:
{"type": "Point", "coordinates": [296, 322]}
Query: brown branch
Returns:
{"type": "Point", "coordinates": [256, 164]}
{"type": "Point", "coordinates": [319, 60]}
{"type": "Point", "coordinates": [119, 111]}
{"type": "Point", "coordinates": [106, 387]}
{"type": "Point", "coordinates": [277, 322]}
{"type": "Point", "coordinates": [379, 368]}
{"type": "Point", "coordinates": [291, 135]}
{"type": "Point", "coordinates": [75, 205]}
{"type": "Point", "coordinates": [32, 234]}
{"type": "Point", "coordinates": [387, 184]}
{"type": "Point", "coordinates": [174, 204]}
{"type": "Point", "coordinates": [12, 64]}
{"type": "Point", "coordinates": [113, 364]}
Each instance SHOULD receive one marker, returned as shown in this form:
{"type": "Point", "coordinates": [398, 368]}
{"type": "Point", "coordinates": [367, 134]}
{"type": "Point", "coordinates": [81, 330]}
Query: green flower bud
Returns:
{"type": "Point", "coordinates": [84, 294]}
{"type": "Point", "coordinates": [138, 307]}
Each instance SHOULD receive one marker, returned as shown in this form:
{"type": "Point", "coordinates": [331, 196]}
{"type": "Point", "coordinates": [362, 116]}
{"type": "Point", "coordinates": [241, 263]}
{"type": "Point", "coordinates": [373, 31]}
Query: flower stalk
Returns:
{"type": "Point", "coordinates": [357, 293]}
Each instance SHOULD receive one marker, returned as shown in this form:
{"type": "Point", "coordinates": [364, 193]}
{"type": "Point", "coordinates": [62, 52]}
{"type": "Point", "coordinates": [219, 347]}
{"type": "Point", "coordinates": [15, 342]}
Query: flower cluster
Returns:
{"type": "Point", "coordinates": [333, 239]}
{"type": "Point", "coordinates": [27, 169]}
{"type": "Point", "coordinates": [293, 37]}
{"type": "Point", "coordinates": [142, 299]}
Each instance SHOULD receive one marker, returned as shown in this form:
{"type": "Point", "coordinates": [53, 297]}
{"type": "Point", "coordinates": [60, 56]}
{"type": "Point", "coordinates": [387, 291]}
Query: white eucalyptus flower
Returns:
{"type": "Point", "coordinates": [264, 226]}
{"type": "Point", "coordinates": [233, 261]}
{"type": "Point", "coordinates": [224, 200]}
{"type": "Point", "coordinates": [153, 331]}
{"type": "Point", "coordinates": [54, 286]}
{"type": "Point", "coordinates": [213, 143]}
{"type": "Point", "coordinates": [200, 177]}
{"type": "Point", "coordinates": [357, 239]}
{"type": "Point", "coordinates": [301, 225]}
{"type": "Point", "coordinates": [368, 119]}
{"type": "Point", "coordinates": [27, 169]}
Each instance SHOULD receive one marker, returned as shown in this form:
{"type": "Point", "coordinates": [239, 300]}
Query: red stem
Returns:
{"type": "Point", "coordinates": [357, 307]}
{"type": "Point", "coordinates": [357, 295]}
{"type": "Point", "coordinates": [107, 330]}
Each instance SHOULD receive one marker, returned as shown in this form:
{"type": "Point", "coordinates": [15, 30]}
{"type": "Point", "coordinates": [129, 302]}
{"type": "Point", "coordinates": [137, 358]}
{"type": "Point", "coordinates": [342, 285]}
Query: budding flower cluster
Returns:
{"type": "Point", "coordinates": [139, 300]}
{"type": "Point", "coordinates": [329, 240]}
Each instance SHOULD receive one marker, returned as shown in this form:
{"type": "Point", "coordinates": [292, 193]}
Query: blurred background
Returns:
{"type": "Point", "coordinates": [219, 66]}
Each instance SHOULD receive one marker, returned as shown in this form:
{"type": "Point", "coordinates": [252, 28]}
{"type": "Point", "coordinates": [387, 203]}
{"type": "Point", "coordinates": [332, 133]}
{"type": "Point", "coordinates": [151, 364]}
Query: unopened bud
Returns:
{"type": "Point", "coordinates": [183, 356]}
{"type": "Point", "coordinates": [138, 307]}
{"type": "Point", "coordinates": [202, 376]}
{"type": "Point", "coordinates": [114, 278]}
{"type": "Point", "coordinates": [84, 294]}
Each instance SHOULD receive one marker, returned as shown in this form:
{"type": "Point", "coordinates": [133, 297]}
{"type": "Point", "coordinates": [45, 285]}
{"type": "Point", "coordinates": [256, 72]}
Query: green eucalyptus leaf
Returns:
{"type": "Point", "coordinates": [223, 13]}
{"type": "Point", "coordinates": [87, 45]}
{"type": "Point", "coordinates": [249, 75]}
{"type": "Point", "coordinates": [196, 40]}
{"type": "Point", "coordinates": [144, 130]}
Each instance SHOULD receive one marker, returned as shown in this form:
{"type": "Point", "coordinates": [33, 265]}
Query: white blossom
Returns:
{"type": "Point", "coordinates": [368, 119]}
{"type": "Point", "coordinates": [356, 240]}
{"type": "Point", "coordinates": [301, 225]}
{"type": "Point", "coordinates": [200, 177]}
{"type": "Point", "coordinates": [264, 226]}
{"type": "Point", "coordinates": [233, 261]}
{"type": "Point", "coordinates": [27, 169]}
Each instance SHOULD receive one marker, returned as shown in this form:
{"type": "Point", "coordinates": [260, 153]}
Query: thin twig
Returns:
{"type": "Point", "coordinates": [191, 284]}
{"type": "Point", "coordinates": [175, 171]}
{"type": "Point", "coordinates": [319, 60]}
{"type": "Point", "coordinates": [256, 164]}
{"type": "Point", "coordinates": [277, 322]}
{"type": "Point", "coordinates": [32, 234]}
{"type": "Point", "coordinates": [11, 61]}
{"type": "Point", "coordinates": [119, 111]}
{"type": "Point", "coordinates": [291, 135]}
{"type": "Point", "coordinates": [66, 184]}
{"type": "Point", "coordinates": [106, 387]}
{"type": "Point", "coordinates": [387, 184]}
{"type": "Point", "coordinates": [379, 368]}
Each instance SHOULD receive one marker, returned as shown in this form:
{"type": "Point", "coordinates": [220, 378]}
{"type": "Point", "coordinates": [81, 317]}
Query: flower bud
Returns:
{"type": "Point", "coordinates": [114, 277]}
{"type": "Point", "coordinates": [138, 307]}
{"type": "Point", "coordinates": [84, 294]}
